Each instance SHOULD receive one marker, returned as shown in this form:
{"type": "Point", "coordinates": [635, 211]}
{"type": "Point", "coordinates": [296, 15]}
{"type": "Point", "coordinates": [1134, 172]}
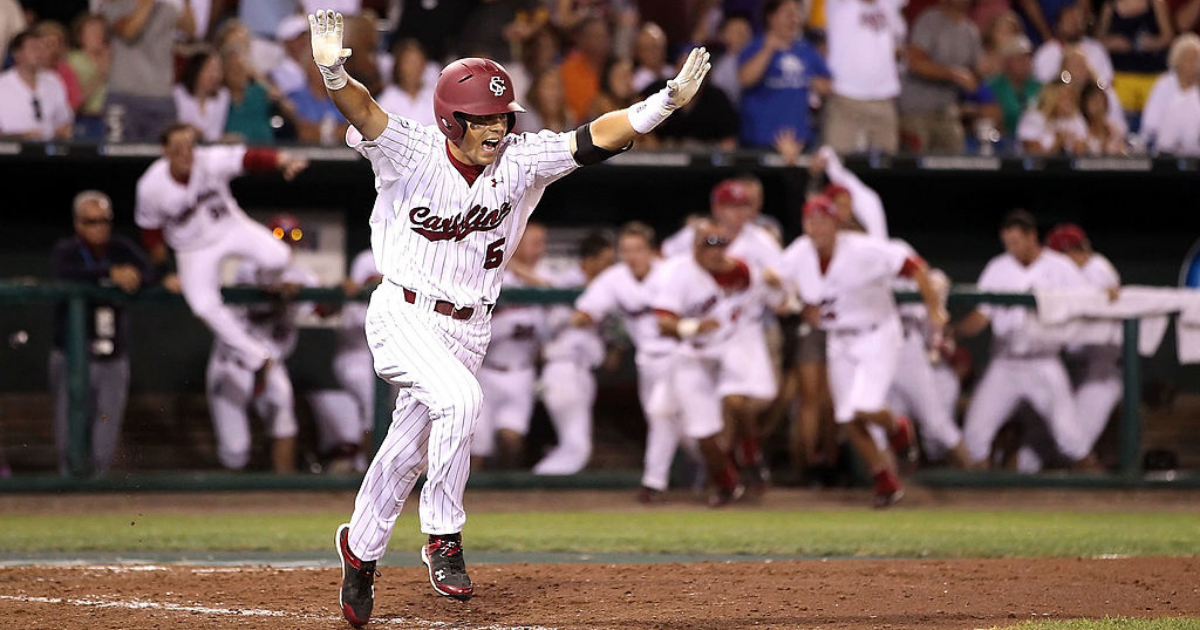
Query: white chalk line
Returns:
{"type": "Point", "coordinates": [139, 604]}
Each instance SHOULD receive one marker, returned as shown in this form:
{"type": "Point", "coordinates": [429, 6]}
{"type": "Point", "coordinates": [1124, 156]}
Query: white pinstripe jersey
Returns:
{"type": "Point", "coordinates": [435, 234]}
{"type": "Point", "coordinates": [193, 214]}
{"type": "Point", "coordinates": [616, 290]}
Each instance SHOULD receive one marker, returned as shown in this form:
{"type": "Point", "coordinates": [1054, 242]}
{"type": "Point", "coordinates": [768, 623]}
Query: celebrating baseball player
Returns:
{"type": "Point", "coordinates": [184, 199]}
{"type": "Point", "coordinates": [1096, 369]}
{"type": "Point", "coordinates": [230, 384]}
{"type": "Point", "coordinates": [626, 290]}
{"type": "Point", "coordinates": [1022, 367]}
{"type": "Point", "coordinates": [452, 203]}
{"type": "Point", "coordinates": [844, 279]}
{"type": "Point", "coordinates": [567, 384]}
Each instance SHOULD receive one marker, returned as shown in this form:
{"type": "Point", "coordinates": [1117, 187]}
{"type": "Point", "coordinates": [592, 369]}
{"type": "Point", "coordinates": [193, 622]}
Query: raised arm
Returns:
{"type": "Point", "coordinates": [938, 318]}
{"type": "Point", "coordinates": [130, 26]}
{"type": "Point", "coordinates": [615, 130]}
{"type": "Point", "coordinates": [351, 98]}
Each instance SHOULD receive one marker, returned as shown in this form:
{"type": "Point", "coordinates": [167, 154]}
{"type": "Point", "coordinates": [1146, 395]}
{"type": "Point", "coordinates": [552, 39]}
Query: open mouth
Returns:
{"type": "Point", "coordinates": [489, 146]}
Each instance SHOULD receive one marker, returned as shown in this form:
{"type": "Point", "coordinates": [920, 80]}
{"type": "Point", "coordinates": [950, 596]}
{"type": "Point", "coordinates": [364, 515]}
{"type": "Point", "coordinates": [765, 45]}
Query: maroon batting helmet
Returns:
{"type": "Point", "coordinates": [1066, 236]}
{"type": "Point", "coordinates": [286, 228]}
{"type": "Point", "coordinates": [476, 87]}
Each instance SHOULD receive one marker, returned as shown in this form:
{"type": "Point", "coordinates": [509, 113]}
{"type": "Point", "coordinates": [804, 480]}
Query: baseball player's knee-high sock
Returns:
{"type": "Point", "coordinates": [390, 479]}
{"type": "Point", "coordinates": [995, 399]}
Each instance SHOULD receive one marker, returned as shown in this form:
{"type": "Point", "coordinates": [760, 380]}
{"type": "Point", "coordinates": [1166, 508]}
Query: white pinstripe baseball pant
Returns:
{"type": "Point", "coordinates": [432, 359]}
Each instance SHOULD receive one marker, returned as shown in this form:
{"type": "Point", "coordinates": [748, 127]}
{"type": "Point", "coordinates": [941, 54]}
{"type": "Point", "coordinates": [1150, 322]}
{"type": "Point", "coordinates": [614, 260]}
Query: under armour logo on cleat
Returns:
{"type": "Point", "coordinates": [440, 574]}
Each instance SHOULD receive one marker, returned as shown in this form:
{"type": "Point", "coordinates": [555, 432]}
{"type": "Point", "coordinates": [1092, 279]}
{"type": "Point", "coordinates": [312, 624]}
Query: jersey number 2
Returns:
{"type": "Point", "coordinates": [495, 254]}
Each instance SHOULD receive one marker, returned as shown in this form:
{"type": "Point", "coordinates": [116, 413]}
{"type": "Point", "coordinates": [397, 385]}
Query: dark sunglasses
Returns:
{"type": "Point", "coordinates": [91, 222]}
{"type": "Point", "coordinates": [716, 241]}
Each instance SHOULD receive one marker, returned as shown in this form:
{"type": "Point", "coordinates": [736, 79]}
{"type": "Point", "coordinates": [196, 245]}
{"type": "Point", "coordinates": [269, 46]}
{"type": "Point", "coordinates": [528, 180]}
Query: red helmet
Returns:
{"type": "Point", "coordinates": [286, 228]}
{"type": "Point", "coordinates": [1066, 236]}
{"type": "Point", "coordinates": [474, 86]}
{"type": "Point", "coordinates": [730, 191]}
{"type": "Point", "coordinates": [819, 205]}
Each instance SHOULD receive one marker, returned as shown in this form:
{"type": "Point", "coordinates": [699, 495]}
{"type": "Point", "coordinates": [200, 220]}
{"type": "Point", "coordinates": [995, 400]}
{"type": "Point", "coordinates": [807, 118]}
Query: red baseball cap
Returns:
{"type": "Point", "coordinates": [1065, 236]}
{"type": "Point", "coordinates": [833, 190]}
{"type": "Point", "coordinates": [819, 205]}
{"type": "Point", "coordinates": [731, 191]}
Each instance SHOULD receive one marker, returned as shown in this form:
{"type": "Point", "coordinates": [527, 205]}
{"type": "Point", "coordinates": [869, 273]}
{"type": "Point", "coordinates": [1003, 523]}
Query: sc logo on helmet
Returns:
{"type": "Point", "coordinates": [497, 86]}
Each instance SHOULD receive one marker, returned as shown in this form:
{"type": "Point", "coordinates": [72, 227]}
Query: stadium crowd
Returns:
{"type": "Point", "coordinates": [1039, 77]}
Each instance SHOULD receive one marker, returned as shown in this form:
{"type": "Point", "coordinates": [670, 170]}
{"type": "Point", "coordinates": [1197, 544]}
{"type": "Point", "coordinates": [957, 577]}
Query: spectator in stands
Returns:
{"type": "Point", "coordinates": [92, 63]}
{"type": "Point", "coordinates": [1002, 30]}
{"type": "Point", "coordinates": [94, 256]}
{"type": "Point", "coordinates": [233, 36]}
{"type": "Point", "coordinates": [435, 24]}
{"type": "Point", "coordinates": [494, 28]}
{"type": "Point", "coordinates": [650, 55]}
{"type": "Point", "coordinates": [1077, 72]}
{"type": "Point", "coordinates": [33, 101]}
{"type": "Point", "coordinates": [1103, 137]}
{"type": "Point", "coordinates": [779, 73]}
{"type": "Point", "coordinates": [249, 117]}
{"type": "Point", "coordinates": [12, 21]}
{"type": "Point", "coordinates": [735, 34]}
{"type": "Point", "coordinates": [317, 120]}
{"type": "Point", "coordinates": [1042, 15]}
{"type": "Point", "coordinates": [1071, 33]}
{"type": "Point", "coordinates": [545, 105]}
{"type": "Point", "coordinates": [362, 37]}
{"type": "Point", "coordinates": [1171, 122]}
{"type": "Point", "coordinates": [293, 34]}
{"type": "Point", "coordinates": [864, 38]}
{"type": "Point", "coordinates": [616, 90]}
{"type": "Point", "coordinates": [709, 121]}
{"type": "Point", "coordinates": [201, 99]}
{"type": "Point", "coordinates": [1055, 126]}
{"type": "Point", "coordinates": [54, 38]}
{"type": "Point", "coordinates": [411, 95]}
{"type": "Point", "coordinates": [140, 104]}
{"type": "Point", "coordinates": [1185, 13]}
{"type": "Point", "coordinates": [539, 52]}
{"type": "Point", "coordinates": [582, 68]}
{"type": "Point", "coordinates": [943, 52]}
{"type": "Point", "coordinates": [262, 17]}
{"type": "Point", "coordinates": [1015, 88]}
{"type": "Point", "coordinates": [1137, 34]}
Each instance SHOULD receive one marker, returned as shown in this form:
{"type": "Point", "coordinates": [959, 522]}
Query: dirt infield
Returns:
{"type": "Point", "coordinates": [869, 594]}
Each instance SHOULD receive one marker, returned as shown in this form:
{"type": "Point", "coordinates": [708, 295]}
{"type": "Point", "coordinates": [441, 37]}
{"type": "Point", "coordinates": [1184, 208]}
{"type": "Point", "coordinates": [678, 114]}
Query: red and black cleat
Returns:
{"type": "Point", "coordinates": [357, 596]}
{"type": "Point", "coordinates": [443, 555]}
{"type": "Point", "coordinates": [903, 440]}
{"type": "Point", "coordinates": [729, 487]}
{"type": "Point", "coordinates": [887, 489]}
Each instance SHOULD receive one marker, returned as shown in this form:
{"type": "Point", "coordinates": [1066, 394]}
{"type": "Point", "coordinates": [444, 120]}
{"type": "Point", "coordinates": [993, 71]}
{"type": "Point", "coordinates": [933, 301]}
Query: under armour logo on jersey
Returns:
{"type": "Point", "coordinates": [497, 86]}
{"type": "Point", "coordinates": [496, 182]}
{"type": "Point", "coordinates": [477, 219]}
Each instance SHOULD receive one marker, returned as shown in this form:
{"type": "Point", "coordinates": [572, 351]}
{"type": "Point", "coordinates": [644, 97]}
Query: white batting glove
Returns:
{"type": "Point", "coordinates": [327, 28]}
{"type": "Point", "coordinates": [682, 89]}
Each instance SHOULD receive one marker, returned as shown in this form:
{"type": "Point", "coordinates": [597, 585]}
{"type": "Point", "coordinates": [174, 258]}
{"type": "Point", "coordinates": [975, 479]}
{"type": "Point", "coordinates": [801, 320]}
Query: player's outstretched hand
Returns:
{"type": "Point", "coordinates": [327, 28]}
{"type": "Point", "coordinates": [682, 89]}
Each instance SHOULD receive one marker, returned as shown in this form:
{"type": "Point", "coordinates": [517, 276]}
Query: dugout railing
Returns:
{"type": "Point", "coordinates": [76, 297]}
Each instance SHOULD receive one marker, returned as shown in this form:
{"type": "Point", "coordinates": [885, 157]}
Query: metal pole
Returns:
{"type": "Point", "coordinates": [1131, 417]}
{"type": "Point", "coordinates": [79, 437]}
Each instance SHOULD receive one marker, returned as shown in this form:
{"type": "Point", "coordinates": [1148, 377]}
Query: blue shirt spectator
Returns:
{"type": "Point", "coordinates": [778, 71]}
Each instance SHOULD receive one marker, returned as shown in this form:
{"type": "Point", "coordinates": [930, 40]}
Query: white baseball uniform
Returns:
{"type": "Point", "coordinates": [1098, 386]}
{"type": "Point", "coordinates": [854, 292]}
{"type": "Point", "coordinates": [693, 368]}
{"type": "Point", "coordinates": [866, 206]}
{"type": "Point", "coordinates": [917, 391]}
{"type": "Point", "coordinates": [568, 384]}
{"type": "Point", "coordinates": [509, 371]}
{"type": "Point", "coordinates": [441, 244]}
{"type": "Point", "coordinates": [203, 223]}
{"type": "Point", "coordinates": [344, 415]}
{"type": "Point", "coordinates": [230, 385]}
{"type": "Point", "coordinates": [618, 291]}
{"type": "Point", "coordinates": [1021, 367]}
{"type": "Point", "coordinates": [748, 370]}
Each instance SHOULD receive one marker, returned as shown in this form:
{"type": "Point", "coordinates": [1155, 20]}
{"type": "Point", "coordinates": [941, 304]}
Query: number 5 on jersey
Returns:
{"type": "Point", "coordinates": [495, 254]}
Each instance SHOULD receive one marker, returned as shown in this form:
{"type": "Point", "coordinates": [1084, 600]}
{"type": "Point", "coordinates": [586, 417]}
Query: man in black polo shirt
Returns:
{"type": "Point", "coordinates": [94, 256]}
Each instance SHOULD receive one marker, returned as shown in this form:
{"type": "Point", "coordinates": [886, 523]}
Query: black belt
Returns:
{"type": "Point", "coordinates": [443, 307]}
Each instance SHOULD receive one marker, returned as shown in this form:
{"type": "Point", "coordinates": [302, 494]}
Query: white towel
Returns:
{"type": "Point", "coordinates": [1086, 316]}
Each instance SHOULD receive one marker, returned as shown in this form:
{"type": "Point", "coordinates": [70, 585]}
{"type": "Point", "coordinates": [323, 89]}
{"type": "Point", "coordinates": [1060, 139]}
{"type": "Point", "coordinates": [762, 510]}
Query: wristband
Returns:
{"type": "Point", "coordinates": [687, 327]}
{"type": "Point", "coordinates": [335, 76]}
{"type": "Point", "coordinates": [650, 113]}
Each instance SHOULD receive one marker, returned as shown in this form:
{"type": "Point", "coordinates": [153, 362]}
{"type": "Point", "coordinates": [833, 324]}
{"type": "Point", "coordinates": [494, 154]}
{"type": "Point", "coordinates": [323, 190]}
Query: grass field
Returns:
{"type": "Point", "coordinates": [939, 533]}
